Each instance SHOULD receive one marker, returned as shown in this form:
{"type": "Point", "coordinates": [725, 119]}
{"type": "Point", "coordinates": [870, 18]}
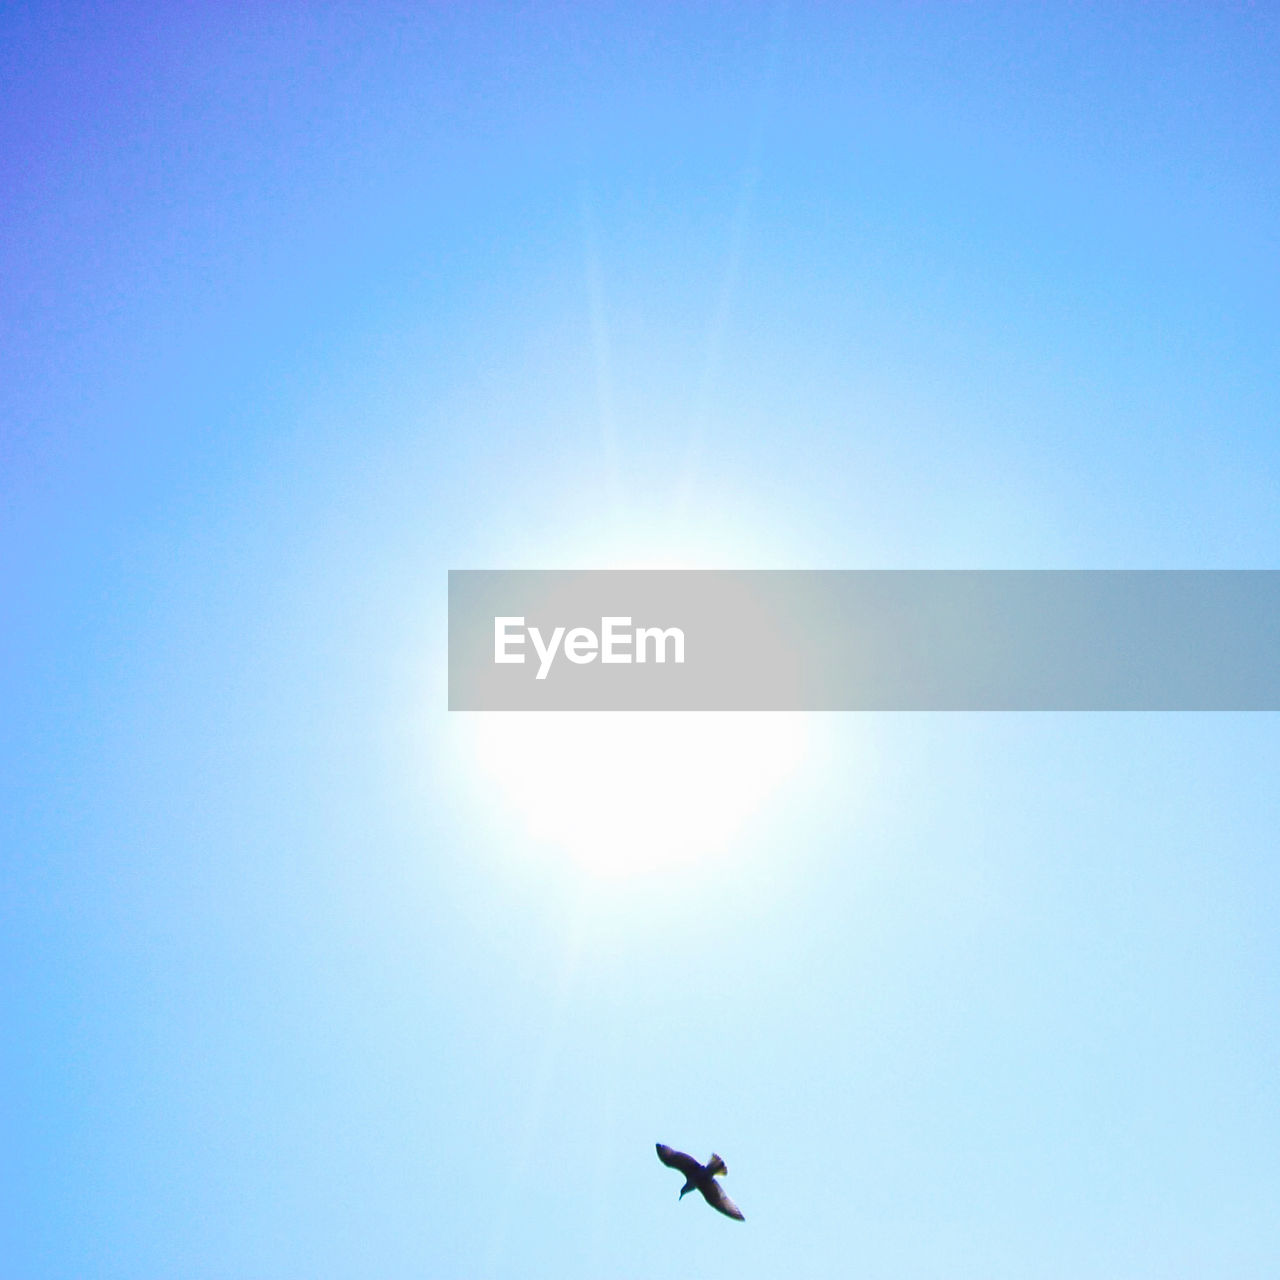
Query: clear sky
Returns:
{"type": "Point", "coordinates": [303, 306]}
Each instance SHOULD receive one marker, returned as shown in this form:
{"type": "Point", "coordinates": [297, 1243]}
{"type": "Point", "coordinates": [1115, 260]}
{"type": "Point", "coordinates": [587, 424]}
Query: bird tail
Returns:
{"type": "Point", "coordinates": [716, 1167]}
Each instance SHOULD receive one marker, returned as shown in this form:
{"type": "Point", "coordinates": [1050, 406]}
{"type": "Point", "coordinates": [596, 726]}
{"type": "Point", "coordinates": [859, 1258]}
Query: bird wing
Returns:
{"type": "Point", "coordinates": [713, 1194]}
{"type": "Point", "coordinates": [678, 1160]}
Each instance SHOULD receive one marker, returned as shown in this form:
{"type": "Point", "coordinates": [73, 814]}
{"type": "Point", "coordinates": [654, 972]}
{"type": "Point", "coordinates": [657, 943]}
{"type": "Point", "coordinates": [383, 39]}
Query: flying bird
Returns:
{"type": "Point", "coordinates": [701, 1177]}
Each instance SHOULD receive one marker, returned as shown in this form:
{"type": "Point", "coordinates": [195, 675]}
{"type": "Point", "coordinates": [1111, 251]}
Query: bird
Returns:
{"type": "Point", "coordinates": [701, 1177]}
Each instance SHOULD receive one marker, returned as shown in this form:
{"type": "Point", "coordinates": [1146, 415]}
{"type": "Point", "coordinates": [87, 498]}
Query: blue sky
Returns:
{"type": "Point", "coordinates": [303, 308]}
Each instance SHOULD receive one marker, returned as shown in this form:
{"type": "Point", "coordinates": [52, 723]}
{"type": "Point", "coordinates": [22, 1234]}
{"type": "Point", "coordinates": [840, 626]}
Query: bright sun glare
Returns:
{"type": "Point", "coordinates": [627, 793]}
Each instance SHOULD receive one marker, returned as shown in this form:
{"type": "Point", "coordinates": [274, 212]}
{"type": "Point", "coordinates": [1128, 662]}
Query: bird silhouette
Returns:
{"type": "Point", "coordinates": [701, 1177]}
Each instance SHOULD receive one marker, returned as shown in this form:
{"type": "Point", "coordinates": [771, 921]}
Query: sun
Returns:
{"type": "Point", "coordinates": [627, 793]}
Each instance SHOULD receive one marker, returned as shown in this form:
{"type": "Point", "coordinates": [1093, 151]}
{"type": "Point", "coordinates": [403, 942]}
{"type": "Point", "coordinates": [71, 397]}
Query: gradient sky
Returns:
{"type": "Point", "coordinates": [303, 306]}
